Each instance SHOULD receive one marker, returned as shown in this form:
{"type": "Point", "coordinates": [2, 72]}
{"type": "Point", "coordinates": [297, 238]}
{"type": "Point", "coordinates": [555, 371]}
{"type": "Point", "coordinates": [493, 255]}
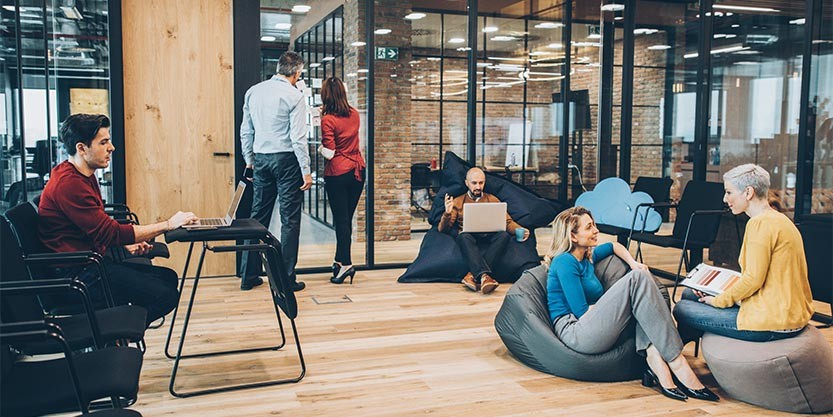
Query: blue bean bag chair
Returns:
{"type": "Point", "coordinates": [440, 259]}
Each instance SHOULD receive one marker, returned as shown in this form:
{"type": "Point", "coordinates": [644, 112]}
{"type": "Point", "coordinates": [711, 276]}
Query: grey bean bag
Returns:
{"type": "Point", "coordinates": [523, 324]}
{"type": "Point", "coordinates": [793, 375]}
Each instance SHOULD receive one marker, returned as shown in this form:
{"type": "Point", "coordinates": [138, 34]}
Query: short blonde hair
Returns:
{"type": "Point", "coordinates": [749, 175]}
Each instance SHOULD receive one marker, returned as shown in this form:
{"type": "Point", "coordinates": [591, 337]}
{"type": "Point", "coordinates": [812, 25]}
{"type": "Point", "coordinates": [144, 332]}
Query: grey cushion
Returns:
{"type": "Point", "coordinates": [793, 375]}
{"type": "Point", "coordinates": [523, 324]}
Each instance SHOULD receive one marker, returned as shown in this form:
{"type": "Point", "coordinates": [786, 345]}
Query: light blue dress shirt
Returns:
{"type": "Point", "coordinates": [275, 120]}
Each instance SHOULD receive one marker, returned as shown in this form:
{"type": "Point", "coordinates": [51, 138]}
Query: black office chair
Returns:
{"type": "Point", "coordinates": [19, 302]}
{"type": "Point", "coordinates": [659, 189]}
{"type": "Point", "coordinates": [695, 228]}
{"type": "Point", "coordinates": [34, 388]}
{"type": "Point", "coordinates": [817, 234]}
{"type": "Point", "coordinates": [421, 181]}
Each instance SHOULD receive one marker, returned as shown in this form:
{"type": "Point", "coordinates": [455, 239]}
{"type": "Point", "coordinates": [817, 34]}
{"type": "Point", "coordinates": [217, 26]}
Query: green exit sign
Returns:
{"type": "Point", "coordinates": [386, 53]}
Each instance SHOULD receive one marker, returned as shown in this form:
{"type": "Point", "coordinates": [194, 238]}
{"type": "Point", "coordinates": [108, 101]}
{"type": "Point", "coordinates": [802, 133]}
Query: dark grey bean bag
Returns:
{"type": "Point", "coordinates": [523, 324]}
{"type": "Point", "coordinates": [440, 259]}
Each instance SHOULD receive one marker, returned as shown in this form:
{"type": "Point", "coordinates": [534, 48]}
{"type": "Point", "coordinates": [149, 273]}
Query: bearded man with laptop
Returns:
{"type": "Point", "coordinates": [483, 229]}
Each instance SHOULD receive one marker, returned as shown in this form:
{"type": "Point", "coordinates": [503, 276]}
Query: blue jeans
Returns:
{"type": "Point", "coordinates": [694, 318]}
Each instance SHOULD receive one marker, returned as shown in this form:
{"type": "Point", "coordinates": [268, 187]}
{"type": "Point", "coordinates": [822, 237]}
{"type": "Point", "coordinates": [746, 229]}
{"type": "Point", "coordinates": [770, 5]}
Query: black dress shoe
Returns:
{"type": "Point", "coordinates": [700, 394]}
{"type": "Point", "coordinates": [298, 286]}
{"type": "Point", "coordinates": [248, 284]}
{"type": "Point", "coordinates": [649, 379]}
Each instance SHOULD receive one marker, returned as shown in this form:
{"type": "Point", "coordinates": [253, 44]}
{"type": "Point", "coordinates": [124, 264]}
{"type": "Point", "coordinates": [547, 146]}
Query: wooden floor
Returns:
{"type": "Point", "coordinates": [389, 350]}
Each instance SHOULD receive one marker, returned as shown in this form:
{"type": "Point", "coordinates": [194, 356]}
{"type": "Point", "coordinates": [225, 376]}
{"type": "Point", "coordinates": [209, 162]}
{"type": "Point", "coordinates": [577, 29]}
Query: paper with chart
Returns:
{"type": "Point", "coordinates": [711, 279]}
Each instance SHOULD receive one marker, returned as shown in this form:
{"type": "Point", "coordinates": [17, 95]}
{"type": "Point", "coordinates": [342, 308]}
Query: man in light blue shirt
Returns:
{"type": "Point", "coordinates": [274, 141]}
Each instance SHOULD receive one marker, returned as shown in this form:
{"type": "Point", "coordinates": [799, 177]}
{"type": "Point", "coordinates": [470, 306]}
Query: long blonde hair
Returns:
{"type": "Point", "coordinates": [565, 223]}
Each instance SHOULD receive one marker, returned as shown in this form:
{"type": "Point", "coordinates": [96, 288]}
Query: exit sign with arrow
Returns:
{"type": "Point", "coordinates": [387, 53]}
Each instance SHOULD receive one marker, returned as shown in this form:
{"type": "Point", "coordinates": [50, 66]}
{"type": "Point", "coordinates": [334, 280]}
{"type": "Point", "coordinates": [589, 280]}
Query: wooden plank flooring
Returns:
{"type": "Point", "coordinates": [394, 350]}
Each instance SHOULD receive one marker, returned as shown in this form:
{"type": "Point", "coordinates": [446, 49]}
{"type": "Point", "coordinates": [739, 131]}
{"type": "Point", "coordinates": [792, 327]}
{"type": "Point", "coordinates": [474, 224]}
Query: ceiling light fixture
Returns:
{"type": "Point", "coordinates": [556, 46]}
{"type": "Point", "coordinates": [328, 58]}
{"type": "Point", "coordinates": [549, 25]}
{"type": "Point", "coordinates": [358, 43]}
{"type": "Point", "coordinates": [283, 26]}
{"type": "Point", "coordinates": [490, 29]}
{"type": "Point", "coordinates": [503, 38]}
{"type": "Point", "coordinates": [797, 21]}
{"type": "Point", "coordinates": [746, 8]}
{"type": "Point", "coordinates": [267, 38]}
{"type": "Point", "coordinates": [613, 7]}
{"type": "Point", "coordinates": [301, 8]}
{"type": "Point", "coordinates": [382, 31]}
{"type": "Point", "coordinates": [414, 16]}
{"type": "Point", "coordinates": [659, 47]}
{"type": "Point", "coordinates": [314, 65]}
{"type": "Point", "coordinates": [456, 40]}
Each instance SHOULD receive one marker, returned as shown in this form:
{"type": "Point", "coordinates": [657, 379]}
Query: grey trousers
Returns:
{"type": "Point", "coordinates": [634, 297]}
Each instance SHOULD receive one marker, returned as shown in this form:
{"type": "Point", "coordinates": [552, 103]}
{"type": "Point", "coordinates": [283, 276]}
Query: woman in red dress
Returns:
{"type": "Point", "coordinates": [345, 171]}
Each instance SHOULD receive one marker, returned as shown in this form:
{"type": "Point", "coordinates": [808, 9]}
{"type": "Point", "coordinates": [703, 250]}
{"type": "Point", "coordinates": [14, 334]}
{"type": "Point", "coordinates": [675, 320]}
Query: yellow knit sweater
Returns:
{"type": "Point", "coordinates": [773, 292]}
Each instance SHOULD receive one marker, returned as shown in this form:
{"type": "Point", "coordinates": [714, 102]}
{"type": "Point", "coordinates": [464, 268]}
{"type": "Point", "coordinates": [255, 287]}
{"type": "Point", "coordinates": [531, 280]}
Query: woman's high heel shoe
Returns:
{"type": "Point", "coordinates": [649, 379]}
{"type": "Point", "coordinates": [336, 268]}
{"type": "Point", "coordinates": [338, 279]}
{"type": "Point", "coordinates": [700, 394]}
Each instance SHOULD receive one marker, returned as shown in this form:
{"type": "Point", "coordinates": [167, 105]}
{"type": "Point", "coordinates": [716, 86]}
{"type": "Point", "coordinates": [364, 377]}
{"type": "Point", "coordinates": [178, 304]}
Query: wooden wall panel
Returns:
{"type": "Point", "coordinates": [178, 97]}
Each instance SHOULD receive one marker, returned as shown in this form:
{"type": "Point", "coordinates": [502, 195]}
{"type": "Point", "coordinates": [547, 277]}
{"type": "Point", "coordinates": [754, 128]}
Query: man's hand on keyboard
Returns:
{"type": "Point", "coordinates": [180, 218]}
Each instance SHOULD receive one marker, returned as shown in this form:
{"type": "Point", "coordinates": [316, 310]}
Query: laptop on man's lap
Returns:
{"type": "Point", "coordinates": [484, 217]}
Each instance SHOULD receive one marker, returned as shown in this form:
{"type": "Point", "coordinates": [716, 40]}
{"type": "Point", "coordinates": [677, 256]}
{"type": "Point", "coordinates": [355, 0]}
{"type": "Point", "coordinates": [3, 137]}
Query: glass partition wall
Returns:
{"type": "Point", "coordinates": [55, 61]}
{"type": "Point", "coordinates": [564, 94]}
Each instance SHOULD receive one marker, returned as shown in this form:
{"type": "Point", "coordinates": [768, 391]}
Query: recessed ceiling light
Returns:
{"type": "Point", "coordinates": [549, 25]}
{"type": "Point", "coordinates": [415, 16]}
{"type": "Point", "coordinates": [556, 46]}
{"type": "Point", "coordinates": [433, 58]}
{"type": "Point", "coordinates": [314, 65]}
{"type": "Point", "coordinates": [456, 40]}
{"type": "Point", "coordinates": [503, 38]}
{"type": "Point", "coordinates": [797, 21]}
{"type": "Point", "coordinates": [361, 71]}
{"type": "Point", "coordinates": [645, 31]}
{"type": "Point", "coordinates": [659, 47]}
{"type": "Point", "coordinates": [463, 49]}
{"type": "Point", "coordinates": [746, 8]}
{"type": "Point", "coordinates": [736, 25]}
{"type": "Point", "coordinates": [746, 63]}
{"type": "Point", "coordinates": [619, 18]}
{"type": "Point", "coordinates": [351, 74]}
{"type": "Point", "coordinates": [283, 26]}
{"type": "Point", "coordinates": [328, 58]}
{"type": "Point", "coordinates": [267, 38]}
{"type": "Point", "coordinates": [301, 8]}
{"type": "Point", "coordinates": [613, 7]}
{"type": "Point", "coordinates": [490, 29]}
{"type": "Point", "coordinates": [382, 31]}
{"type": "Point", "coordinates": [358, 43]}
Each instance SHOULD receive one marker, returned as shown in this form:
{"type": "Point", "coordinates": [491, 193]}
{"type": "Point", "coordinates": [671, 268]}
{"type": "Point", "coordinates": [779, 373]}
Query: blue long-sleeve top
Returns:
{"type": "Point", "coordinates": [572, 285]}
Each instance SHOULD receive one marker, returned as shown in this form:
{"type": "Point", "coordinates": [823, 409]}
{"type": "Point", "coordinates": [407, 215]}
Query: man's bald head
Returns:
{"type": "Point", "coordinates": [475, 181]}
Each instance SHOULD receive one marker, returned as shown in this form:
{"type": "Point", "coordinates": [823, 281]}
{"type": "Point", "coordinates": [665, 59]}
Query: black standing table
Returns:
{"type": "Point", "coordinates": [281, 291]}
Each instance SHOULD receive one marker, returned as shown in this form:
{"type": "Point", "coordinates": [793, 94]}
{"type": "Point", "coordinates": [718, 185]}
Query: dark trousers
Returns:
{"type": "Point", "coordinates": [277, 176]}
{"type": "Point", "coordinates": [482, 250]}
{"type": "Point", "coordinates": [343, 192]}
{"type": "Point", "coordinates": [145, 285]}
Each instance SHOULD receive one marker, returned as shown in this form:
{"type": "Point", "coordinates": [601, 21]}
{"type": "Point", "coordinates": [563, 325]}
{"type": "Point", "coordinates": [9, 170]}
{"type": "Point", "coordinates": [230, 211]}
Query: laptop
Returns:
{"type": "Point", "coordinates": [484, 217]}
{"type": "Point", "coordinates": [216, 222]}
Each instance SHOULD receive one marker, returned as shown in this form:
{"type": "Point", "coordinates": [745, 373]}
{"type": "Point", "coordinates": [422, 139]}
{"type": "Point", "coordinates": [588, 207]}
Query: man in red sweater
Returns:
{"type": "Point", "coordinates": [72, 218]}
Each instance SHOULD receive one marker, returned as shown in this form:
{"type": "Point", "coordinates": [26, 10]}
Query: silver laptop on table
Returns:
{"type": "Point", "coordinates": [215, 222]}
{"type": "Point", "coordinates": [484, 217]}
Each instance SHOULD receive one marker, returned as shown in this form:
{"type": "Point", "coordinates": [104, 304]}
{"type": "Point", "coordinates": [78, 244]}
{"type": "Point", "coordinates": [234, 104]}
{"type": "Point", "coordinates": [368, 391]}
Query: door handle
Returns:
{"type": "Point", "coordinates": [225, 154]}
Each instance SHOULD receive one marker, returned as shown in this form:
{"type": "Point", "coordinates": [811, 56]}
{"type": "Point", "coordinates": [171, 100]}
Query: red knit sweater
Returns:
{"type": "Point", "coordinates": [341, 134]}
{"type": "Point", "coordinates": [71, 214]}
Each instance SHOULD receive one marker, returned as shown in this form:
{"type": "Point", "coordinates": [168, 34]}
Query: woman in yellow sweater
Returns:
{"type": "Point", "coordinates": [773, 292]}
